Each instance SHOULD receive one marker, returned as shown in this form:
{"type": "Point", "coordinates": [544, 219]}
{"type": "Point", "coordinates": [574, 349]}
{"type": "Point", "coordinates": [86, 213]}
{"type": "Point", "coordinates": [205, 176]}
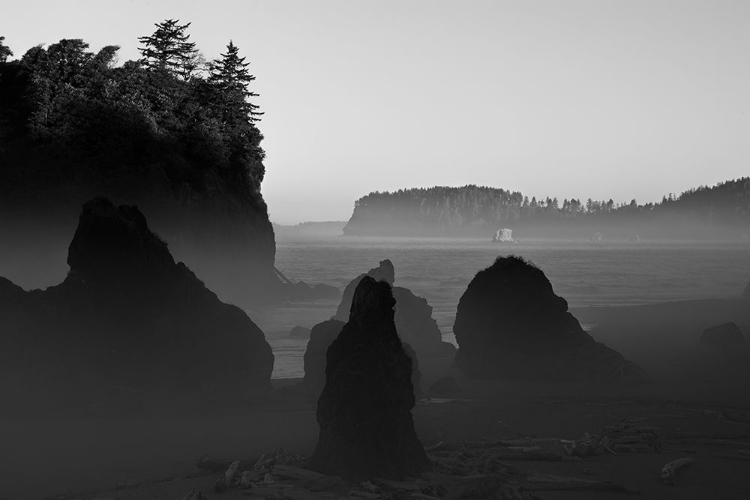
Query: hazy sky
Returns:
{"type": "Point", "coordinates": [603, 99]}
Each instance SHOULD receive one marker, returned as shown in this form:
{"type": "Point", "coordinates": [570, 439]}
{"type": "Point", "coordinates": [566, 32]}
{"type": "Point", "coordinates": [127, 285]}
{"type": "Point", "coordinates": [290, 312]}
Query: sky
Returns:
{"type": "Point", "coordinates": [603, 99]}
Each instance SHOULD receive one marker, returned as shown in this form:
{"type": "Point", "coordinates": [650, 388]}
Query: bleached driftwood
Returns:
{"type": "Point", "coordinates": [370, 487]}
{"type": "Point", "coordinates": [669, 471]}
{"type": "Point", "coordinates": [231, 471]}
{"type": "Point", "coordinates": [624, 436]}
{"type": "Point", "coordinates": [225, 481]}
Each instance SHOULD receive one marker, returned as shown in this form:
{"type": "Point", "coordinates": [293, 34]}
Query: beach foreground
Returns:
{"type": "Point", "coordinates": [154, 456]}
{"type": "Point", "coordinates": [697, 405]}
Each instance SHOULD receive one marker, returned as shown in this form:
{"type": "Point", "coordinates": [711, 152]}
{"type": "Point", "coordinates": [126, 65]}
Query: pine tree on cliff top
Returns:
{"type": "Point", "coordinates": [5, 51]}
{"type": "Point", "coordinates": [231, 76]}
{"type": "Point", "coordinates": [169, 49]}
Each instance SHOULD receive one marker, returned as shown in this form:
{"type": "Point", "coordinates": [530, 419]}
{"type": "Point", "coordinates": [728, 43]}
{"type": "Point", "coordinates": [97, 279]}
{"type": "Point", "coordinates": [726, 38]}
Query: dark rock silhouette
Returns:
{"type": "Point", "coordinates": [127, 320]}
{"type": "Point", "coordinates": [364, 412]}
{"type": "Point", "coordinates": [113, 247]}
{"type": "Point", "coordinates": [416, 326]}
{"type": "Point", "coordinates": [299, 332]}
{"type": "Point", "coordinates": [416, 375]}
{"type": "Point", "coordinates": [746, 293]}
{"type": "Point", "coordinates": [322, 336]}
{"type": "Point", "coordinates": [511, 325]}
{"type": "Point", "coordinates": [726, 337]}
{"type": "Point", "coordinates": [413, 317]}
{"type": "Point", "coordinates": [302, 291]}
{"type": "Point", "coordinates": [384, 272]}
{"type": "Point", "coordinates": [444, 387]}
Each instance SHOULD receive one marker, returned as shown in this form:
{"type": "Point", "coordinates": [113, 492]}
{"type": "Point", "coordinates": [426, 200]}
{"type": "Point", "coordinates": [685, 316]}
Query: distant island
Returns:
{"type": "Point", "coordinates": [717, 212]}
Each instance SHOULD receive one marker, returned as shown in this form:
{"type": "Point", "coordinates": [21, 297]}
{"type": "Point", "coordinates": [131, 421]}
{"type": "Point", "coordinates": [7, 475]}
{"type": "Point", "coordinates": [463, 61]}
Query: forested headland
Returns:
{"type": "Point", "coordinates": [721, 211]}
{"type": "Point", "coordinates": [172, 132]}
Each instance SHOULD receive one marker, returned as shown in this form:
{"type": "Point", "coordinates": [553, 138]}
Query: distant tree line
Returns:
{"type": "Point", "coordinates": [480, 207]}
{"type": "Point", "coordinates": [76, 116]}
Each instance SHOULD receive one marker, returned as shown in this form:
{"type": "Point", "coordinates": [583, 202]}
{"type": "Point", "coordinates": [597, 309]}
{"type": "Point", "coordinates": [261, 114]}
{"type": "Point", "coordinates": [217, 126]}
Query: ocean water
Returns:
{"type": "Point", "coordinates": [585, 273]}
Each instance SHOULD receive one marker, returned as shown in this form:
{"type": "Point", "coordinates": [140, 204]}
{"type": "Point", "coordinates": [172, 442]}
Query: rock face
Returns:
{"type": "Point", "coordinates": [725, 338]}
{"type": "Point", "coordinates": [364, 412]}
{"type": "Point", "coordinates": [416, 326]}
{"type": "Point", "coordinates": [127, 320]}
{"type": "Point", "coordinates": [299, 332]}
{"type": "Point", "coordinates": [414, 321]}
{"type": "Point", "coordinates": [384, 272]}
{"type": "Point", "coordinates": [322, 336]}
{"type": "Point", "coordinates": [511, 325]}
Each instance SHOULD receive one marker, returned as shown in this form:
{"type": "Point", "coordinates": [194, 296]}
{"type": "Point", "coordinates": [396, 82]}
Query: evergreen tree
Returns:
{"type": "Point", "coordinates": [5, 51]}
{"type": "Point", "coordinates": [169, 49]}
{"type": "Point", "coordinates": [232, 78]}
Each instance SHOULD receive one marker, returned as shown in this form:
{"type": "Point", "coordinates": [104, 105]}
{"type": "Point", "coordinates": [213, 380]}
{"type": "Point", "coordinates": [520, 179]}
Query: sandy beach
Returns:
{"type": "Point", "coordinates": [84, 458]}
{"type": "Point", "coordinates": [705, 418]}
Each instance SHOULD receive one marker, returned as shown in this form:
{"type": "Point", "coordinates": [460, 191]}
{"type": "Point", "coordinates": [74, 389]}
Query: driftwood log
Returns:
{"type": "Point", "coordinates": [476, 469]}
{"type": "Point", "coordinates": [669, 471]}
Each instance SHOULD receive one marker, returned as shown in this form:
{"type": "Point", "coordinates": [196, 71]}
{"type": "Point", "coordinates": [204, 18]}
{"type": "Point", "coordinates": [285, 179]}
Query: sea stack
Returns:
{"type": "Point", "coordinates": [127, 320]}
{"type": "Point", "coordinates": [414, 322]}
{"type": "Point", "coordinates": [511, 325]}
{"type": "Point", "coordinates": [726, 338]}
{"type": "Point", "coordinates": [384, 272]}
{"type": "Point", "coordinates": [322, 336]}
{"type": "Point", "coordinates": [364, 412]}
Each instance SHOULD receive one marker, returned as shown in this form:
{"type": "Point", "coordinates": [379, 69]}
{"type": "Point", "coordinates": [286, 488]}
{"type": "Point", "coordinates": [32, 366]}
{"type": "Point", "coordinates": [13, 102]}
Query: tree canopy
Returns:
{"type": "Point", "coordinates": [456, 210]}
{"type": "Point", "coordinates": [97, 120]}
{"type": "Point", "coordinates": [169, 49]}
{"type": "Point", "coordinates": [231, 76]}
{"type": "Point", "coordinates": [5, 51]}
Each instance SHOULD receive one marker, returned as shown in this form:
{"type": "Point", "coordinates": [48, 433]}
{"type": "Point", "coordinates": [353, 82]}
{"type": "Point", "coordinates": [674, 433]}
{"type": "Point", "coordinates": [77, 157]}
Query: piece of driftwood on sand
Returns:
{"type": "Point", "coordinates": [481, 469]}
{"type": "Point", "coordinates": [669, 471]}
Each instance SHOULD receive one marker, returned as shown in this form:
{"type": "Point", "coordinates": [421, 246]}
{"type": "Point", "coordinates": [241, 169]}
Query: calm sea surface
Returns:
{"type": "Point", "coordinates": [584, 273]}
